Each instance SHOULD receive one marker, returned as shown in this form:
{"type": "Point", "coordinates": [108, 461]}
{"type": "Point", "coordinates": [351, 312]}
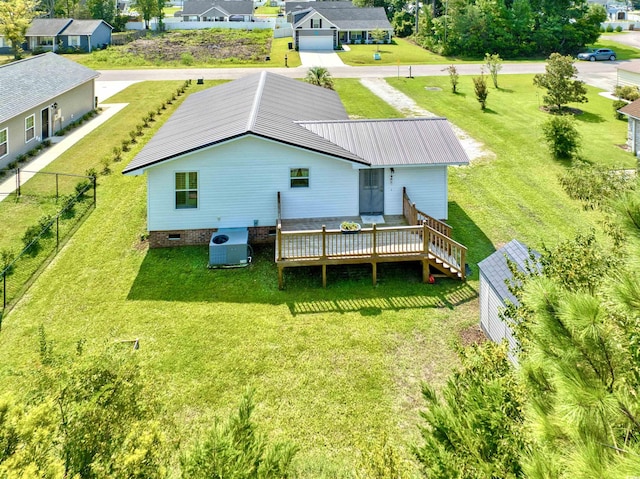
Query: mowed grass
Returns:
{"type": "Point", "coordinates": [334, 369]}
{"type": "Point", "coordinates": [516, 194]}
{"type": "Point", "coordinates": [401, 51]}
{"type": "Point", "coordinates": [623, 51]}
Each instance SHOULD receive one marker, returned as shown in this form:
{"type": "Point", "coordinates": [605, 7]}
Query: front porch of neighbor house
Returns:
{"type": "Point", "coordinates": [414, 236]}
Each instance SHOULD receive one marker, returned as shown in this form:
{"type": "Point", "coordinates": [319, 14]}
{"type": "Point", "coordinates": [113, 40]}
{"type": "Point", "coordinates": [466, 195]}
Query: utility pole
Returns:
{"type": "Point", "coordinates": [417, 15]}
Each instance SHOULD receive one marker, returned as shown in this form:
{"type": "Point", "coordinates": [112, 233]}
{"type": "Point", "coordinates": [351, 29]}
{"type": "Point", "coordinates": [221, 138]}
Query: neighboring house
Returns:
{"type": "Point", "coordinates": [628, 74]}
{"type": "Point", "coordinates": [217, 11]}
{"type": "Point", "coordinates": [227, 152]}
{"type": "Point", "coordinates": [327, 25]}
{"type": "Point", "coordinates": [40, 95]}
{"type": "Point", "coordinates": [86, 35]}
{"type": "Point", "coordinates": [632, 111]}
{"type": "Point", "coordinates": [53, 34]}
{"type": "Point", "coordinates": [494, 291]}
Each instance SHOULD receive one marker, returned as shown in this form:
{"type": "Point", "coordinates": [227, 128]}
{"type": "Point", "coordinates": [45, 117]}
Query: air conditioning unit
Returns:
{"type": "Point", "coordinates": [229, 247]}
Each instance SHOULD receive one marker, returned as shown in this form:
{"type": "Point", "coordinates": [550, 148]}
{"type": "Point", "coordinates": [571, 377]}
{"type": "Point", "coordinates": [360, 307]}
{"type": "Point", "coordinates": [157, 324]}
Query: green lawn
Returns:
{"type": "Point", "coordinates": [334, 369]}
{"type": "Point", "coordinates": [400, 51]}
{"type": "Point", "coordinates": [267, 11]}
{"type": "Point", "coordinates": [623, 52]}
{"type": "Point", "coordinates": [517, 194]}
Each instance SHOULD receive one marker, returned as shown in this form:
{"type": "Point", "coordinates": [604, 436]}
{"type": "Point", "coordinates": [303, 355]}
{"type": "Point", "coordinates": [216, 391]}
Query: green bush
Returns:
{"type": "Point", "coordinates": [618, 29]}
{"type": "Point", "coordinates": [32, 237]}
{"type": "Point", "coordinates": [595, 185]}
{"type": "Point", "coordinates": [82, 187]}
{"type": "Point", "coordinates": [609, 29]}
{"type": "Point", "coordinates": [627, 92]}
{"type": "Point", "coordinates": [125, 144]}
{"type": "Point", "coordinates": [561, 136]}
{"type": "Point", "coordinates": [616, 106]}
{"type": "Point", "coordinates": [44, 225]}
{"type": "Point", "coordinates": [7, 257]}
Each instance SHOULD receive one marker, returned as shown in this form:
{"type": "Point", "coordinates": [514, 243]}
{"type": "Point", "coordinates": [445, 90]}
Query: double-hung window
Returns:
{"type": "Point", "coordinates": [299, 177]}
{"type": "Point", "coordinates": [29, 128]}
{"type": "Point", "coordinates": [4, 143]}
{"type": "Point", "coordinates": [74, 40]}
{"type": "Point", "coordinates": [186, 189]}
{"type": "Point", "coordinates": [316, 23]}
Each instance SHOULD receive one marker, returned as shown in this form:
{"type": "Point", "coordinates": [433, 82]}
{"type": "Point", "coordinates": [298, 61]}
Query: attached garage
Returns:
{"type": "Point", "coordinates": [315, 42]}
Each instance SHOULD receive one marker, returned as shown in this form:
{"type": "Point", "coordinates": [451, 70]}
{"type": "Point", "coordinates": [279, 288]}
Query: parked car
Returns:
{"type": "Point", "coordinates": [599, 54]}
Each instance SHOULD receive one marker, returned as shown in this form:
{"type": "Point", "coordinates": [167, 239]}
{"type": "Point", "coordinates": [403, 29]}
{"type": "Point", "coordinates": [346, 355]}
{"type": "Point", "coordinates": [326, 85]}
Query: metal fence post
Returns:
{"type": "Point", "coordinates": [94, 191]}
{"type": "Point", "coordinates": [4, 289]}
{"type": "Point", "coordinates": [17, 181]}
{"type": "Point", "coordinates": [57, 232]}
{"type": "Point", "coordinates": [57, 195]}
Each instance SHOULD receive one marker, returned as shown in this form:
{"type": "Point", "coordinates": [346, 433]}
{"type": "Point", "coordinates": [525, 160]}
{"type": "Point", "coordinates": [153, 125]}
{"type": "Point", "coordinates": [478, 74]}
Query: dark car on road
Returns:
{"type": "Point", "coordinates": [599, 54]}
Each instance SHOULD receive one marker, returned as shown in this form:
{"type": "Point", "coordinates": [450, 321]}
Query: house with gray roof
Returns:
{"type": "Point", "coordinates": [63, 34]}
{"type": "Point", "coordinates": [327, 25]}
{"type": "Point", "coordinates": [217, 11]}
{"type": "Point", "coordinates": [632, 112]}
{"type": "Point", "coordinates": [40, 95]}
{"type": "Point", "coordinates": [495, 295]}
{"type": "Point", "coordinates": [226, 153]}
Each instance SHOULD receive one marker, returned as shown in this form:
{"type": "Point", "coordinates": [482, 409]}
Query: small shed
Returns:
{"type": "Point", "coordinates": [494, 291]}
{"type": "Point", "coordinates": [632, 112]}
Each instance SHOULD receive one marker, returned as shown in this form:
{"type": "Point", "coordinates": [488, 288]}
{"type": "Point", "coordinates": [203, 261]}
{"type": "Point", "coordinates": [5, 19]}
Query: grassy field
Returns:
{"type": "Point", "coordinates": [400, 51]}
{"type": "Point", "coordinates": [334, 369]}
{"type": "Point", "coordinates": [517, 194]}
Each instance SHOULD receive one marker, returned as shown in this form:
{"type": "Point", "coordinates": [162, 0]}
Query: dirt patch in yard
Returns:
{"type": "Point", "coordinates": [472, 335]}
{"type": "Point", "coordinates": [203, 46]}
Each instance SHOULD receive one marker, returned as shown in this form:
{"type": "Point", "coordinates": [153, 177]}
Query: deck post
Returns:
{"type": "Point", "coordinates": [280, 277]}
{"type": "Point", "coordinates": [425, 238]}
{"type": "Point", "coordinates": [324, 275]}
{"type": "Point", "coordinates": [374, 241]}
{"type": "Point", "coordinates": [425, 270]}
{"type": "Point", "coordinates": [324, 241]}
{"type": "Point", "coordinates": [279, 240]}
{"type": "Point", "coordinates": [374, 272]}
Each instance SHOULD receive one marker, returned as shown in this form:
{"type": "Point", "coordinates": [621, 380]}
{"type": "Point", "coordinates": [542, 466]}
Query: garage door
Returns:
{"type": "Point", "coordinates": [315, 43]}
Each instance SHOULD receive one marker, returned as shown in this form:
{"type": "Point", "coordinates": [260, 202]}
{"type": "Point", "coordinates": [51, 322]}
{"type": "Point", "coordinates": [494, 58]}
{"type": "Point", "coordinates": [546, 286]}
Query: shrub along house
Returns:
{"type": "Point", "coordinates": [326, 25]}
{"type": "Point", "coordinates": [273, 154]}
{"type": "Point", "coordinates": [40, 95]}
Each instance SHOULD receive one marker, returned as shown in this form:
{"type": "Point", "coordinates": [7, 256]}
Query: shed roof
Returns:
{"type": "Point", "coordinates": [47, 27]}
{"type": "Point", "coordinates": [632, 109]}
{"type": "Point", "coordinates": [298, 114]}
{"type": "Point", "coordinates": [495, 269]}
{"type": "Point", "coordinates": [33, 81]}
{"type": "Point", "coordinates": [395, 142]}
{"type": "Point", "coordinates": [84, 27]}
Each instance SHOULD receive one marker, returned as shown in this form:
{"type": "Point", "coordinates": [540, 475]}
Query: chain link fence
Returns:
{"type": "Point", "coordinates": [74, 197]}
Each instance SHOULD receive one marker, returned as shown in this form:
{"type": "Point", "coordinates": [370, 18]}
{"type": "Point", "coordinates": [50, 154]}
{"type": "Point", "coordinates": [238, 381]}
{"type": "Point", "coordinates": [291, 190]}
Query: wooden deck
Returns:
{"type": "Point", "coordinates": [414, 236]}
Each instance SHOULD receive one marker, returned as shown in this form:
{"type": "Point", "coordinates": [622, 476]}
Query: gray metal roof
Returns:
{"type": "Point", "coordinates": [83, 27]}
{"type": "Point", "coordinates": [496, 271]}
{"type": "Point", "coordinates": [47, 27]}
{"type": "Point", "coordinates": [366, 18]}
{"type": "Point", "coordinates": [263, 104]}
{"type": "Point", "coordinates": [395, 142]}
{"type": "Point", "coordinates": [33, 81]}
{"type": "Point", "coordinates": [230, 7]}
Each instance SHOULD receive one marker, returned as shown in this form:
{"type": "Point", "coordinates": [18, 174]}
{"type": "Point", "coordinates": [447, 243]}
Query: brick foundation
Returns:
{"type": "Point", "coordinates": [168, 239]}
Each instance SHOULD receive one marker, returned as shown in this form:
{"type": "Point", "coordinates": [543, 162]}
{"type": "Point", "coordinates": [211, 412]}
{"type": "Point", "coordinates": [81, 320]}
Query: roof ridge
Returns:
{"type": "Point", "coordinates": [371, 120]}
{"type": "Point", "coordinates": [257, 99]}
{"type": "Point", "coordinates": [24, 60]}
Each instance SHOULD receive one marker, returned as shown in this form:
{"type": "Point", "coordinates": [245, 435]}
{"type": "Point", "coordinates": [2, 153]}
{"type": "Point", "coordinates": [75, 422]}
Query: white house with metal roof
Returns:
{"type": "Point", "coordinates": [40, 95]}
{"type": "Point", "coordinates": [225, 154]}
{"type": "Point", "coordinates": [217, 11]}
{"type": "Point", "coordinates": [495, 277]}
{"type": "Point", "coordinates": [326, 25]}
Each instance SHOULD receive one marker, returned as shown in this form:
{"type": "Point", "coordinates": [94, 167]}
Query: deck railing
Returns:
{"type": "Point", "coordinates": [416, 217]}
{"type": "Point", "coordinates": [421, 241]}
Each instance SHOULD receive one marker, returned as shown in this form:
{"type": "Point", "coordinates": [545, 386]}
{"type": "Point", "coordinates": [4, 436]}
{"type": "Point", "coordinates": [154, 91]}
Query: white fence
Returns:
{"type": "Point", "coordinates": [178, 24]}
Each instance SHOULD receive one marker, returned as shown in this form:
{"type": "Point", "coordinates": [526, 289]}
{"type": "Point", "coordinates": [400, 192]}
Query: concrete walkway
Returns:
{"type": "Point", "coordinates": [58, 147]}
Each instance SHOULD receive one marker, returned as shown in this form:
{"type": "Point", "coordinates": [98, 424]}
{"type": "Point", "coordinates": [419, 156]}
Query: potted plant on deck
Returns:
{"type": "Point", "coordinates": [349, 227]}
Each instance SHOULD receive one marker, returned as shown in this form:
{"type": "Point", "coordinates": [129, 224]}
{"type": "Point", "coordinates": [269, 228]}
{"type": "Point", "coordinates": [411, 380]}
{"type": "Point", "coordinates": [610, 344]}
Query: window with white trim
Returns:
{"type": "Point", "coordinates": [74, 40]}
{"type": "Point", "coordinates": [316, 23]}
{"type": "Point", "coordinates": [29, 128]}
{"type": "Point", "coordinates": [3, 42]}
{"type": "Point", "coordinates": [4, 143]}
{"type": "Point", "coordinates": [186, 189]}
{"type": "Point", "coordinates": [299, 177]}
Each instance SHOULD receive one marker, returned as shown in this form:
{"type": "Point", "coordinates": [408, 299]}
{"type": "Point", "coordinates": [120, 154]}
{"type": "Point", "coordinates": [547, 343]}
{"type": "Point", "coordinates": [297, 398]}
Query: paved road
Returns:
{"type": "Point", "coordinates": [600, 74]}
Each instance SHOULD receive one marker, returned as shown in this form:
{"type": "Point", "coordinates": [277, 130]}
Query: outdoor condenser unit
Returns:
{"type": "Point", "coordinates": [229, 247]}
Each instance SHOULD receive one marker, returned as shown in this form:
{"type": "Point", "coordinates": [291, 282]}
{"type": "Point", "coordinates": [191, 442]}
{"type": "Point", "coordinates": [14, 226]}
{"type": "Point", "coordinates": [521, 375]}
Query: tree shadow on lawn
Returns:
{"type": "Point", "coordinates": [588, 117]}
{"type": "Point", "coordinates": [181, 274]}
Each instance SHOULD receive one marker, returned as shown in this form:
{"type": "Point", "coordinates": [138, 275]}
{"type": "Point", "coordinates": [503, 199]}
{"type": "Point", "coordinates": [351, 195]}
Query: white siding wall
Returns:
{"type": "Point", "coordinates": [239, 181]}
{"type": "Point", "coordinates": [490, 321]}
{"type": "Point", "coordinates": [628, 78]}
{"type": "Point", "coordinates": [426, 186]}
{"type": "Point", "coordinates": [633, 135]}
